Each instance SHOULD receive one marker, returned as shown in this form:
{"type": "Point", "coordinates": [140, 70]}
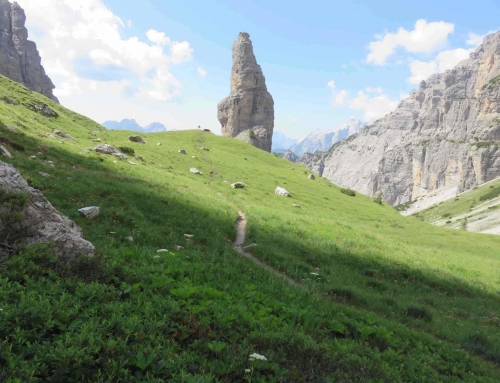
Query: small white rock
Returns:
{"type": "Point", "coordinates": [130, 239]}
{"type": "Point", "coordinates": [5, 152]}
{"type": "Point", "coordinates": [159, 144]}
{"type": "Point", "coordinates": [281, 192]}
{"type": "Point", "coordinates": [178, 248]}
{"type": "Point", "coordinates": [238, 185]}
{"type": "Point", "coordinates": [89, 211]}
{"type": "Point", "coordinates": [131, 163]}
{"type": "Point", "coordinates": [182, 151]}
{"type": "Point", "coordinates": [193, 156]}
{"type": "Point", "coordinates": [195, 171]}
{"type": "Point", "coordinates": [43, 174]}
{"type": "Point", "coordinates": [33, 157]}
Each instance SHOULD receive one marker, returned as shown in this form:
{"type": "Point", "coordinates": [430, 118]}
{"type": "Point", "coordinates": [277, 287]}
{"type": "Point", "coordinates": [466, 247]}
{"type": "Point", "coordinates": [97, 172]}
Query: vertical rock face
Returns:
{"type": "Point", "coordinates": [19, 58]}
{"type": "Point", "coordinates": [248, 113]}
{"type": "Point", "coordinates": [445, 135]}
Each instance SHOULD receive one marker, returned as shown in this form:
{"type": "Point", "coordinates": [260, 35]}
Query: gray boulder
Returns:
{"type": "Point", "coordinates": [135, 138]}
{"type": "Point", "coordinates": [89, 212]}
{"type": "Point", "coordinates": [4, 152]}
{"type": "Point", "coordinates": [311, 177]}
{"type": "Point", "coordinates": [19, 57]}
{"type": "Point", "coordinates": [41, 223]}
{"type": "Point", "coordinates": [248, 113]}
{"type": "Point", "coordinates": [110, 150]}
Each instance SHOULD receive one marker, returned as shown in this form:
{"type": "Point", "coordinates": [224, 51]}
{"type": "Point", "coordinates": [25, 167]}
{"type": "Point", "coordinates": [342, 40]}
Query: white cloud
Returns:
{"type": "Point", "coordinates": [373, 107]}
{"type": "Point", "coordinates": [87, 29]}
{"type": "Point", "coordinates": [475, 39]}
{"type": "Point", "coordinates": [424, 38]}
{"type": "Point", "coordinates": [159, 38]}
{"type": "Point", "coordinates": [129, 24]}
{"type": "Point", "coordinates": [202, 72]}
{"type": "Point", "coordinates": [421, 70]}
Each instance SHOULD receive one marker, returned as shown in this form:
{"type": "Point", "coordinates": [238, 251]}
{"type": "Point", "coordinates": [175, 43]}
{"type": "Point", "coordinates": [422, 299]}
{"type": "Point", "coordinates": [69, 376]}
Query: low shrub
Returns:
{"type": "Point", "coordinates": [348, 192]}
{"type": "Point", "coordinates": [126, 150]}
{"type": "Point", "coordinates": [419, 313]}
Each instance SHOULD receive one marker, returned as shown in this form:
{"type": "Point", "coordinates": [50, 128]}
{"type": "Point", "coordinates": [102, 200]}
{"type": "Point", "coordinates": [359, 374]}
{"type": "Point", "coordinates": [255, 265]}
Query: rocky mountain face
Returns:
{"type": "Point", "coordinates": [131, 124]}
{"type": "Point", "coordinates": [19, 57]}
{"type": "Point", "coordinates": [248, 113]}
{"type": "Point", "coordinates": [324, 139]}
{"type": "Point", "coordinates": [446, 134]}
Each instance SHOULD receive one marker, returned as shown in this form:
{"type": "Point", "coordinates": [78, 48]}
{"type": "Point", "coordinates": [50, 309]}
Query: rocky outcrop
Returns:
{"type": "Point", "coordinates": [19, 57]}
{"type": "Point", "coordinates": [40, 222]}
{"type": "Point", "coordinates": [445, 135]}
{"type": "Point", "coordinates": [248, 113]}
{"type": "Point", "coordinates": [290, 156]}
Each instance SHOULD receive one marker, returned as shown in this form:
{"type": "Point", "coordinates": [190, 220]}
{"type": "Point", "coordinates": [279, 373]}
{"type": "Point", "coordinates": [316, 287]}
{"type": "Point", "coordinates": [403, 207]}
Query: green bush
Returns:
{"type": "Point", "coordinates": [419, 313]}
{"type": "Point", "coordinates": [348, 192]}
{"type": "Point", "coordinates": [379, 199]}
{"type": "Point", "coordinates": [12, 206]}
{"type": "Point", "coordinates": [126, 150]}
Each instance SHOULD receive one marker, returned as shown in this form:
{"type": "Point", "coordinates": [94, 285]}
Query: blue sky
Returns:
{"type": "Point", "coordinates": [301, 47]}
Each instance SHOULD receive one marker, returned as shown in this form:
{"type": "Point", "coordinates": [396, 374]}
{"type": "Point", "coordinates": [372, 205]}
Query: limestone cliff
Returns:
{"type": "Point", "coordinates": [446, 134]}
{"type": "Point", "coordinates": [248, 113]}
{"type": "Point", "coordinates": [19, 57]}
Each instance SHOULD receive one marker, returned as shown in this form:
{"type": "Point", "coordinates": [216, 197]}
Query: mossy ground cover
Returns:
{"type": "Point", "coordinates": [394, 299]}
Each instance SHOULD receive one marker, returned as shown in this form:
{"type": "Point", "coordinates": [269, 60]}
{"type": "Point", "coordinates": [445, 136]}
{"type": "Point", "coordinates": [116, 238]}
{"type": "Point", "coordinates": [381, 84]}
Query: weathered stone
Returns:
{"type": "Point", "coordinates": [139, 158]}
{"type": "Point", "coordinates": [444, 136]}
{"type": "Point", "coordinates": [281, 192]}
{"type": "Point", "coordinates": [4, 152]}
{"type": "Point", "coordinates": [295, 205]}
{"type": "Point", "coordinates": [248, 113]}
{"type": "Point", "coordinates": [178, 248]}
{"type": "Point", "coordinates": [182, 151]}
{"type": "Point", "coordinates": [89, 212]}
{"type": "Point", "coordinates": [62, 134]}
{"type": "Point", "coordinates": [11, 128]}
{"type": "Point", "coordinates": [195, 171]}
{"type": "Point", "coordinates": [110, 150]}
{"type": "Point", "coordinates": [311, 177]}
{"type": "Point", "coordinates": [135, 138]}
{"type": "Point", "coordinates": [41, 108]}
{"type": "Point", "coordinates": [238, 185]}
{"type": "Point", "coordinates": [41, 223]}
{"type": "Point", "coordinates": [19, 57]}
{"type": "Point", "coordinates": [44, 174]}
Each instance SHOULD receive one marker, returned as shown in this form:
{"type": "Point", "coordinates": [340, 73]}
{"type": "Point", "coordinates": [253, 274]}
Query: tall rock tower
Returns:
{"type": "Point", "coordinates": [248, 113]}
{"type": "Point", "coordinates": [19, 58]}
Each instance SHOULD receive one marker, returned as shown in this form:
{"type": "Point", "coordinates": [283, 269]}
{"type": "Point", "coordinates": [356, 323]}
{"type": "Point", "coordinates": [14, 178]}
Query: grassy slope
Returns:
{"type": "Point", "coordinates": [197, 314]}
{"type": "Point", "coordinates": [476, 204]}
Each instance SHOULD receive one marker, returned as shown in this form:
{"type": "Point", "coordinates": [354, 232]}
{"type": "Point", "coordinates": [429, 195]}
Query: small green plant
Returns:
{"type": "Point", "coordinates": [464, 224]}
{"type": "Point", "coordinates": [348, 192]}
{"type": "Point", "coordinates": [251, 134]}
{"type": "Point", "coordinates": [126, 150]}
{"type": "Point", "coordinates": [379, 199]}
{"type": "Point", "coordinates": [448, 222]}
{"type": "Point", "coordinates": [419, 313]}
{"type": "Point", "coordinates": [446, 215]}
{"type": "Point", "coordinates": [12, 205]}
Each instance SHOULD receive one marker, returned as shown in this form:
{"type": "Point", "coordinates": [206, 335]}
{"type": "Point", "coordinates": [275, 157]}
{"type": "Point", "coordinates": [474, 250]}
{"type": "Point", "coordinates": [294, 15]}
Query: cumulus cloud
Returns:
{"type": "Point", "coordinates": [202, 72]}
{"type": "Point", "coordinates": [374, 107]}
{"type": "Point", "coordinates": [76, 30]}
{"type": "Point", "coordinates": [421, 70]}
{"type": "Point", "coordinates": [424, 38]}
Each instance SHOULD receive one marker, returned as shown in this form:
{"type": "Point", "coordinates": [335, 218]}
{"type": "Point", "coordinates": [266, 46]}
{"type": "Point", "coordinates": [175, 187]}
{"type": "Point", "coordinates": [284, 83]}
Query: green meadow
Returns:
{"type": "Point", "coordinates": [383, 298]}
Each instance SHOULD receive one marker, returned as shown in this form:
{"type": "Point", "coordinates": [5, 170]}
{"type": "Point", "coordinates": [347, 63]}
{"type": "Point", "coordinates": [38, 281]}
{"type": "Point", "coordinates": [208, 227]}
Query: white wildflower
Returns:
{"type": "Point", "coordinates": [247, 370]}
{"type": "Point", "coordinates": [257, 356]}
{"type": "Point", "coordinates": [314, 274]}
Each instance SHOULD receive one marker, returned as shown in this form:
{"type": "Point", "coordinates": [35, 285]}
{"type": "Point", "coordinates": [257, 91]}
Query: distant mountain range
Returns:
{"type": "Point", "coordinates": [316, 140]}
{"type": "Point", "coordinates": [131, 124]}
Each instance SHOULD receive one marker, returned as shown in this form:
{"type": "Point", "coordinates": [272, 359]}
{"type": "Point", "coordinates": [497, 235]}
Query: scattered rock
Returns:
{"type": "Point", "coordinates": [97, 140]}
{"type": "Point", "coordinates": [281, 192]}
{"type": "Point", "coordinates": [295, 205]}
{"type": "Point", "coordinates": [139, 158]}
{"type": "Point", "coordinates": [179, 248]}
{"type": "Point", "coordinates": [193, 156]}
{"type": "Point", "coordinates": [5, 152]}
{"type": "Point", "coordinates": [41, 223]}
{"type": "Point", "coordinates": [33, 157]}
{"type": "Point", "coordinates": [182, 151]}
{"type": "Point", "coordinates": [62, 134]}
{"type": "Point", "coordinates": [238, 185]}
{"type": "Point", "coordinates": [89, 212]}
{"type": "Point", "coordinates": [131, 163]}
{"type": "Point", "coordinates": [41, 108]}
{"type": "Point", "coordinates": [162, 251]}
{"type": "Point", "coordinates": [44, 174]}
{"type": "Point", "coordinates": [195, 171]}
{"type": "Point", "coordinates": [159, 144]}
{"type": "Point", "coordinates": [110, 150]}
{"type": "Point", "coordinates": [135, 138]}
{"type": "Point", "coordinates": [11, 128]}
{"type": "Point", "coordinates": [248, 113]}
{"type": "Point", "coordinates": [49, 162]}
{"type": "Point", "coordinates": [311, 177]}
